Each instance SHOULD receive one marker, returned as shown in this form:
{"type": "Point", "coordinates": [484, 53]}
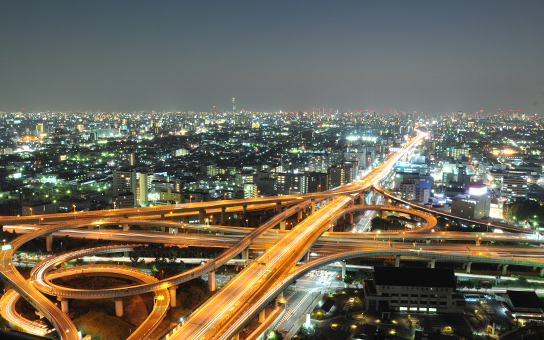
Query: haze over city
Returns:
{"type": "Point", "coordinates": [279, 170]}
{"type": "Point", "coordinates": [190, 56]}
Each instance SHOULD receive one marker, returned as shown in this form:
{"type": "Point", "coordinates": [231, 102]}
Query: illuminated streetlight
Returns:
{"type": "Point", "coordinates": [190, 198]}
{"type": "Point", "coordinates": [290, 190]}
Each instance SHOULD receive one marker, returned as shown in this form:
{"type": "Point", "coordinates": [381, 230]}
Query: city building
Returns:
{"type": "Point", "coordinates": [413, 290]}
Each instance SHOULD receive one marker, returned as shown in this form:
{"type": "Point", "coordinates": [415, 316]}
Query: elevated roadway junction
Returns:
{"type": "Point", "coordinates": [281, 251]}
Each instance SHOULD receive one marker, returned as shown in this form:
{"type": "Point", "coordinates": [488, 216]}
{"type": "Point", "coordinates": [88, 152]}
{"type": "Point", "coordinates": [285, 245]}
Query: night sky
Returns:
{"type": "Point", "coordinates": [430, 56]}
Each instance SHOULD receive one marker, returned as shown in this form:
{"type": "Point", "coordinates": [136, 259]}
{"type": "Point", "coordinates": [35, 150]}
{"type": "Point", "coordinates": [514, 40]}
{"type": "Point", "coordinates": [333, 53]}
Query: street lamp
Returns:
{"type": "Point", "coordinates": [290, 190]}
{"type": "Point", "coordinates": [225, 196]}
{"type": "Point", "coordinates": [74, 206]}
{"type": "Point", "coordinates": [31, 211]}
{"type": "Point", "coordinates": [190, 198]}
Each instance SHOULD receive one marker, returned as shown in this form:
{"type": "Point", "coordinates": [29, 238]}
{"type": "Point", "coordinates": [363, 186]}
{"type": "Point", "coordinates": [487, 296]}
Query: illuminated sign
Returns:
{"type": "Point", "coordinates": [403, 164]}
{"type": "Point", "coordinates": [6, 247]}
{"type": "Point", "coordinates": [477, 191]}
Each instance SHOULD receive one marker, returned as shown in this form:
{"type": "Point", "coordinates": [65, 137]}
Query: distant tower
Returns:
{"type": "Point", "coordinates": [233, 105]}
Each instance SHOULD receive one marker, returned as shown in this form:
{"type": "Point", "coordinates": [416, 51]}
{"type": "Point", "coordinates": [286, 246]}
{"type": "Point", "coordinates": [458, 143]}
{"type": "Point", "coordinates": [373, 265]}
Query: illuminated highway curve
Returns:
{"type": "Point", "coordinates": [61, 321]}
{"type": "Point", "coordinates": [166, 283]}
{"type": "Point", "coordinates": [218, 313]}
{"type": "Point", "coordinates": [161, 305]}
{"type": "Point", "coordinates": [390, 195]}
{"type": "Point", "coordinates": [282, 284]}
{"type": "Point", "coordinates": [65, 326]}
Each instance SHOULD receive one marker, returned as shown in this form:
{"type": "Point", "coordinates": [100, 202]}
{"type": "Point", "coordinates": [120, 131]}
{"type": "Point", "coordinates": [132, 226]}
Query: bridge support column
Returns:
{"type": "Point", "coordinates": [201, 216]}
{"type": "Point", "coordinates": [469, 264]}
{"type": "Point", "coordinates": [300, 215]}
{"type": "Point", "coordinates": [351, 217]}
{"type": "Point", "coordinates": [262, 316]}
{"type": "Point", "coordinates": [126, 227]}
{"type": "Point", "coordinates": [428, 241]}
{"type": "Point", "coordinates": [504, 269]}
{"type": "Point", "coordinates": [307, 256]}
{"type": "Point", "coordinates": [343, 269]}
{"type": "Point", "coordinates": [397, 261]}
{"type": "Point", "coordinates": [223, 216]}
{"type": "Point", "coordinates": [245, 209]}
{"type": "Point", "coordinates": [478, 242]}
{"type": "Point", "coordinates": [173, 301]}
{"type": "Point", "coordinates": [215, 220]}
{"type": "Point", "coordinates": [173, 230]}
{"type": "Point", "coordinates": [312, 207]}
{"type": "Point", "coordinates": [119, 307]}
{"type": "Point", "coordinates": [185, 219]}
{"type": "Point", "coordinates": [64, 305]}
{"type": "Point", "coordinates": [245, 254]}
{"type": "Point", "coordinates": [163, 229]}
{"type": "Point", "coordinates": [49, 242]}
{"type": "Point", "coordinates": [541, 272]}
{"type": "Point", "coordinates": [282, 225]}
{"type": "Point", "coordinates": [211, 281]}
{"type": "Point", "coordinates": [433, 263]}
{"type": "Point", "coordinates": [278, 207]}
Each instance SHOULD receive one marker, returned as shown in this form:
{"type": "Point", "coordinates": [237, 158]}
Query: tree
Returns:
{"type": "Point", "coordinates": [348, 279]}
{"type": "Point", "coordinates": [522, 281]}
{"type": "Point", "coordinates": [469, 284]}
{"type": "Point", "coordinates": [134, 258]}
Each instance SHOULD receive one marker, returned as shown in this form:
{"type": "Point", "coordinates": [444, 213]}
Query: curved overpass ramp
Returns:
{"type": "Point", "coordinates": [421, 207]}
{"type": "Point", "coordinates": [7, 303]}
{"type": "Point", "coordinates": [281, 285]}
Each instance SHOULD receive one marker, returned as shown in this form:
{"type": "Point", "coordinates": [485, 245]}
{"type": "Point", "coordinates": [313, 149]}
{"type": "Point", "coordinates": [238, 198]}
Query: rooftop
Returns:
{"type": "Point", "coordinates": [416, 277]}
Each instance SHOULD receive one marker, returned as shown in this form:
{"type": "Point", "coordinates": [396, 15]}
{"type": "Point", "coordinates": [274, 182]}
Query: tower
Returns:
{"type": "Point", "coordinates": [233, 105]}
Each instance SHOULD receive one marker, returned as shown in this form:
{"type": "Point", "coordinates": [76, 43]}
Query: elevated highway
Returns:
{"type": "Point", "coordinates": [240, 294]}
{"type": "Point", "coordinates": [161, 305]}
{"type": "Point", "coordinates": [438, 212]}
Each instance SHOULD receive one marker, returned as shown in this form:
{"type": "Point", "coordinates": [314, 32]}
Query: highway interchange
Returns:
{"type": "Point", "coordinates": [242, 298]}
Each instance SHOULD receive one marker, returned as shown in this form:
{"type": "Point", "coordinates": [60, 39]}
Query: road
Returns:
{"type": "Point", "coordinates": [230, 309]}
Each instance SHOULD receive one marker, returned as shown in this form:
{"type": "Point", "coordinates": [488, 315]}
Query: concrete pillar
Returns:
{"type": "Point", "coordinates": [478, 242]}
{"type": "Point", "coordinates": [307, 256]}
{"type": "Point", "coordinates": [343, 269]}
{"type": "Point", "coordinates": [282, 225]}
{"type": "Point", "coordinates": [278, 207]}
{"type": "Point", "coordinates": [351, 217]}
{"type": "Point", "coordinates": [49, 242]}
{"type": "Point", "coordinates": [300, 215]}
{"type": "Point", "coordinates": [245, 209]}
{"type": "Point", "coordinates": [211, 281]}
{"type": "Point", "coordinates": [126, 227]}
{"type": "Point", "coordinates": [215, 219]}
{"type": "Point", "coordinates": [173, 230]}
{"type": "Point", "coordinates": [64, 305]}
{"type": "Point", "coordinates": [433, 263]}
{"type": "Point", "coordinates": [541, 272]}
{"type": "Point", "coordinates": [173, 301]}
{"type": "Point", "coordinates": [312, 206]}
{"type": "Point", "coordinates": [245, 254]}
{"type": "Point", "coordinates": [262, 316]}
{"type": "Point", "coordinates": [469, 264]}
{"type": "Point", "coordinates": [397, 261]}
{"type": "Point", "coordinates": [119, 307]}
{"type": "Point", "coordinates": [504, 268]}
{"type": "Point", "coordinates": [163, 229]}
{"type": "Point", "coordinates": [201, 216]}
{"type": "Point", "coordinates": [185, 219]}
{"type": "Point", "coordinates": [428, 241]}
{"type": "Point", "coordinates": [223, 216]}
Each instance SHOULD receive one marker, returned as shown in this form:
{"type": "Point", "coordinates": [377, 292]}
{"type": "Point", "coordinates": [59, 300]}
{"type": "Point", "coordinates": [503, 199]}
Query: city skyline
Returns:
{"type": "Point", "coordinates": [126, 56]}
